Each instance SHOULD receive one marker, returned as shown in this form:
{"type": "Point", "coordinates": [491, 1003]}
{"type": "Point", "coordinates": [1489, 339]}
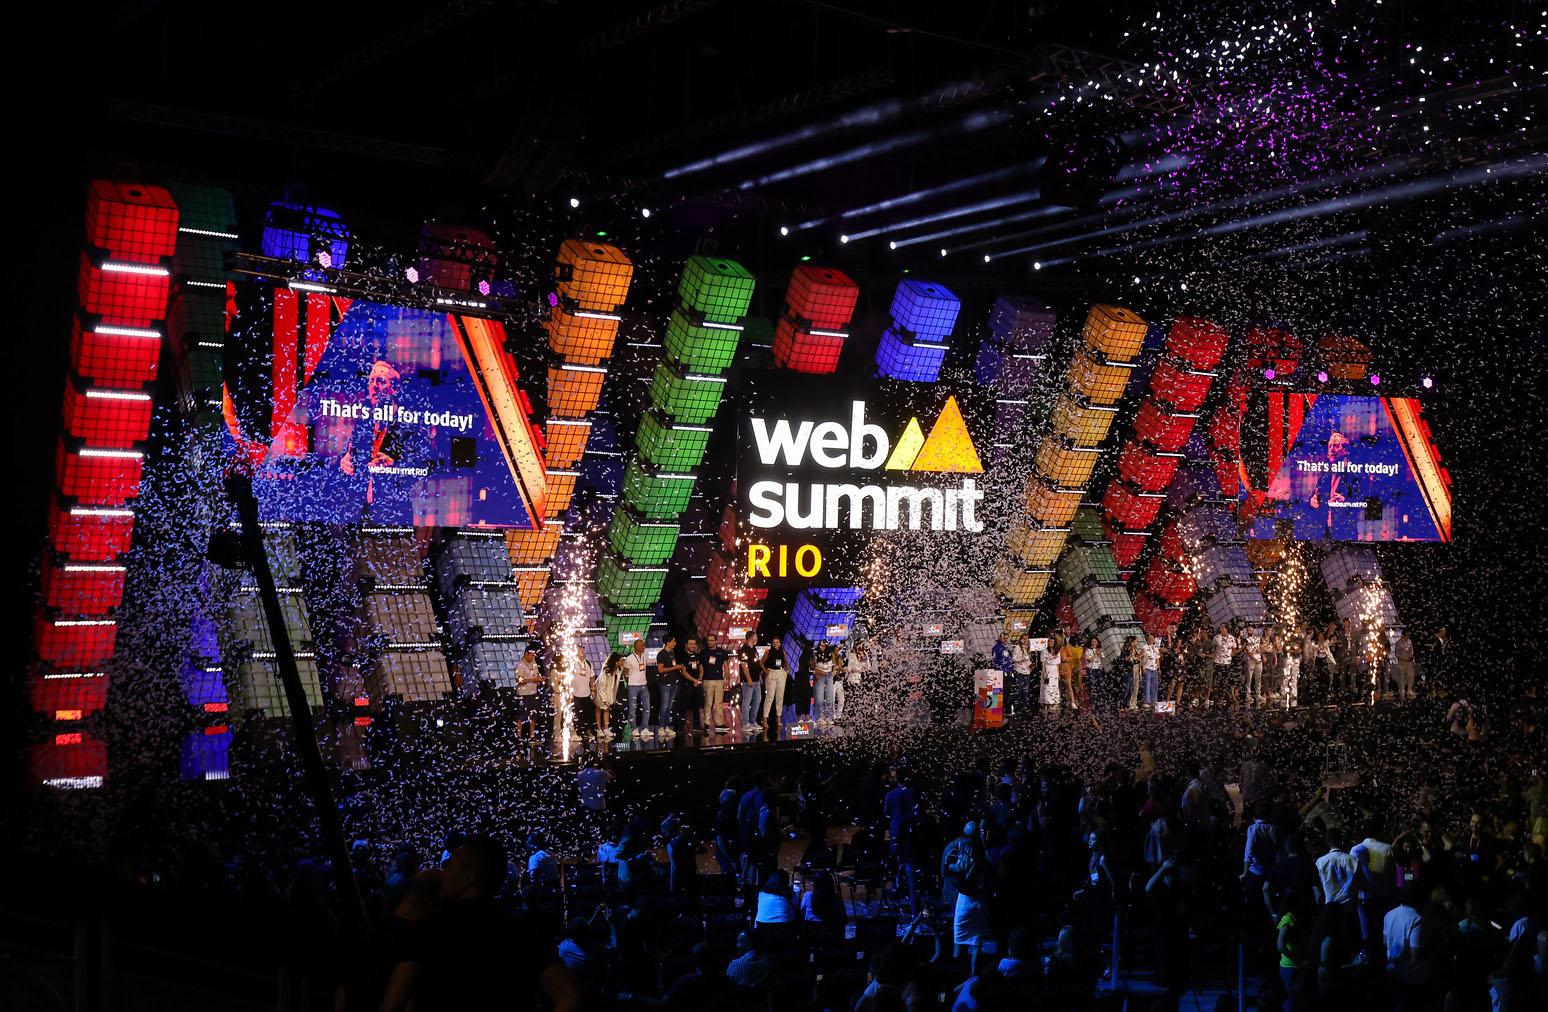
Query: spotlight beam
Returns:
{"type": "Point", "coordinates": [914, 197]}
{"type": "Point", "coordinates": [963, 211]}
{"type": "Point", "coordinates": [971, 123]}
{"type": "Point", "coordinates": [1041, 212]}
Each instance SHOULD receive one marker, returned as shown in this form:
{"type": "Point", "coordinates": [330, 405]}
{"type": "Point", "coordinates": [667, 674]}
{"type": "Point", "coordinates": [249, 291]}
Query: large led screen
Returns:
{"type": "Point", "coordinates": [827, 469]}
{"type": "Point", "coordinates": [1344, 467]}
{"type": "Point", "coordinates": [355, 412]}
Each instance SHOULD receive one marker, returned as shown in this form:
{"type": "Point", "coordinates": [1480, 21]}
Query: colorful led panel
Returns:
{"type": "Point", "coordinates": [1116, 332]}
{"type": "Point", "coordinates": [685, 396]}
{"type": "Point", "coordinates": [115, 356]}
{"type": "Point", "coordinates": [820, 298]}
{"type": "Point", "coordinates": [594, 276]}
{"type": "Point", "coordinates": [654, 492]}
{"type": "Point", "coordinates": [1036, 546]}
{"type": "Point", "coordinates": [1064, 464]}
{"type": "Point", "coordinates": [98, 477]}
{"type": "Point", "coordinates": [124, 293]}
{"type": "Point", "coordinates": [709, 349]}
{"type": "Point", "coordinates": [1081, 422]}
{"type": "Point", "coordinates": [720, 289]}
{"type": "Point", "coordinates": [901, 358]}
{"type": "Point", "coordinates": [90, 533]}
{"type": "Point", "coordinates": [302, 232]}
{"type": "Point", "coordinates": [643, 542]}
{"type": "Point", "coordinates": [1080, 565]}
{"type": "Point", "coordinates": [669, 446]}
{"type": "Point", "coordinates": [1197, 342]}
{"type": "Point", "coordinates": [1179, 386]}
{"type": "Point", "coordinates": [1099, 380]}
{"type": "Point", "coordinates": [627, 587]}
{"type": "Point", "coordinates": [1130, 508]}
{"type": "Point", "coordinates": [806, 352]}
{"type": "Point", "coordinates": [131, 221]}
{"type": "Point", "coordinates": [583, 336]}
{"type": "Point", "coordinates": [925, 309]}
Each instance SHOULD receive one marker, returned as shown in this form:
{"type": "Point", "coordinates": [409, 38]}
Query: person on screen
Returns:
{"type": "Point", "coordinates": [382, 442]}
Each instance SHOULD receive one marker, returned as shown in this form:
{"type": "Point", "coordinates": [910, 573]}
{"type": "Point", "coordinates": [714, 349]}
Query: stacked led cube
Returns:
{"type": "Point", "coordinates": [125, 273]}
{"type": "Point", "coordinates": [819, 304]}
{"type": "Point", "coordinates": [1152, 462]}
{"type": "Point", "coordinates": [1089, 574]}
{"type": "Point", "coordinates": [1179, 381]}
{"type": "Point", "coordinates": [197, 321]}
{"type": "Point", "coordinates": [591, 287]}
{"type": "Point", "coordinates": [1110, 340]}
{"type": "Point", "coordinates": [399, 641]}
{"type": "Point", "coordinates": [304, 233]}
{"type": "Point", "coordinates": [700, 344]}
{"type": "Point", "coordinates": [246, 647]}
{"type": "Point", "coordinates": [913, 347]}
{"type": "Point", "coordinates": [484, 617]}
{"type": "Point", "coordinates": [1009, 358]}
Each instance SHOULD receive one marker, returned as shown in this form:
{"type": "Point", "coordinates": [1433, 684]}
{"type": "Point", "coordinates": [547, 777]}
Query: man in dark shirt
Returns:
{"type": "Point", "coordinates": [897, 806]}
{"type": "Point", "coordinates": [752, 681]}
{"type": "Point", "coordinates": [363, 980]}
{"type": "Point", "coordinates": [693, 695]}
{"type": "Point", "coordinates": [470, 953]}
{"type": "Point", "coordinates": [714, 684]}
{"type": "Point", "coordinates": [669, 676]}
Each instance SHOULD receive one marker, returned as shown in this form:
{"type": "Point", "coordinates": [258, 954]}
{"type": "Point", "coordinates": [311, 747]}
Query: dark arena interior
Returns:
{"type": "Point", "coordinates": [752, 505]}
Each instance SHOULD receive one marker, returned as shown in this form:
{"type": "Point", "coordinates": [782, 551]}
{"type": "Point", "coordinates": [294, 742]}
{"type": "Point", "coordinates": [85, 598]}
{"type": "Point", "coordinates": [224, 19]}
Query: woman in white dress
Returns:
{"type": "Point", "coordinates": [1049, 696]}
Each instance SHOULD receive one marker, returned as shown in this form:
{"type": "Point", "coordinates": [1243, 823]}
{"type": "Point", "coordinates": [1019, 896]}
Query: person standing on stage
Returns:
{"type": "Point", "coordinates": [774, 677]}
{"type": "Point", "coordinates": [604, 692]}
{"type": "Point", "coordinates": [693, 694]}
{"type": "Point", "coordinates": [1000, 660]}
{"type": "Point", "coordinates": [1069, 661]}
{"type": "Point", "coordinates": [822, 682]}
{"type": "Point", "coordinates": [1252, 646]}
{"type": "Point", "coordinates": [637, 690]}
{"type": "Point", "coordinates": [1130, 666]}
{"type": "Point", "coordinates": [1290, 679]}
{"type": "Point", "coordinates": [1150, 669]}
{"type": "Point", "coordinates": [714, 681]}
{"type": "Point", "coordinates": [1225, 652]}
{"type": "Point", "coordinates": [1021, 671]}
{"type": "Point", "coordinates": [669, 679]}
{"type": "Point", "coordinates": [1403, 667]}
{"type": "Point", "coordinates": [581, 676]}
{"type": "Point", "coordinates": [752, 681]}
{"type": "Point", "coordinates": [1094, 687]}
{"type": "Point", "coordinates": [1052, 674]}
{"type": "Point", "coordinates": [528, 678]}
{"type": "Point", "coordinates": [1273, 650]}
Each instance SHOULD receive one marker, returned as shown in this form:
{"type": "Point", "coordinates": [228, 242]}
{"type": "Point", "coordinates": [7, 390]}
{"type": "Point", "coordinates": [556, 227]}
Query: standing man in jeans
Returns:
{"type": "Point", "coordinates": [632, 667]}
{"type": "Point", "coordinates": [1225, 651]}
{"type": "Point", "coordinates": [714, 659]}
{"type": "Point", "coordinates": [1252, 646]}
{"type": "Point", "coordinates": [1150, 668]}
{"type": "Point", "coordinates": [669, 675]}
{"type": "Point", "coordinates": [752, 681]}
{"type": "Point", "coordinates": [528, 678]}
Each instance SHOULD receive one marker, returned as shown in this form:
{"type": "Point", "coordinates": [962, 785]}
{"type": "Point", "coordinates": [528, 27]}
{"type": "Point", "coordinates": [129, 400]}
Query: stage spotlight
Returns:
{"type": "Point", "coordinates": [943, 251]}
{"type": "Point", "coordinates": [412, 274]}
{"type": "Point", "coordinates": [575, 202]}
{"type": "Point", "coordinates": [1268, 374]}
{"type": "Point", "coordinates": [1427, 382]}
{"type": "Point", "coordinates": [1037, 265]}
{"type": "Point", "coordinates": [843, 238]}
{"type": "Point", "coordinates": [1375, 380]}
{"type": "Point", "coordinates": [1183, 285]}
{"type": "Point", "coordinates": [1322, 377]}
{"type": "Point", "coordinates": [784, 230]}
{"type": "Point", "coordinates": [324, 258]}
{"type": "Point", "coordinates": [986, 258]}
{"type": "Point", "coordinates": [892, 245]}
{"type": "Point", "coordinates": [644, 212]}
{"type": "Point", "coordinates": [805, 259]}
{"type": "Point", "coordinates": [483, 288]}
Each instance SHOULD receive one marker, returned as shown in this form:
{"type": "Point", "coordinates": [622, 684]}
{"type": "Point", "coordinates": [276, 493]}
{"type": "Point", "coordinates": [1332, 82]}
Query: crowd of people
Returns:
{"type": "Point", "coordinates": [1008, 884]}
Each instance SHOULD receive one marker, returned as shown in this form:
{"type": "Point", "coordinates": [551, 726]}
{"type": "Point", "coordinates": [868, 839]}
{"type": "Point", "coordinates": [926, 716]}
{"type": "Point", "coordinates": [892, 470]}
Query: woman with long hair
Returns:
{"type": "Point", "coordinates": [604, 693]}
{"type": "Point", "coordinates": [1094, 685]}
{"type": "Point", "coordinates": [1069, 673]}
{"type": "Point", "coordinates": [1130, 664]}
{"type": "Point", "coordinates": [1053, 677]}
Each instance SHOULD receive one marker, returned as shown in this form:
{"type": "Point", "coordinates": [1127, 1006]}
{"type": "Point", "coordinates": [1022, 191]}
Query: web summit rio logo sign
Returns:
{"type": "Point", "coordinates": [833, 478]}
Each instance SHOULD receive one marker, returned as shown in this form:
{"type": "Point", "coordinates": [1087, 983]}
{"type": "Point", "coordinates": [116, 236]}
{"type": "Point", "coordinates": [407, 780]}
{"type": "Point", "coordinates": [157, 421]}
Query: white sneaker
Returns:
{"type": "Point", "coordinates": [646, 732]}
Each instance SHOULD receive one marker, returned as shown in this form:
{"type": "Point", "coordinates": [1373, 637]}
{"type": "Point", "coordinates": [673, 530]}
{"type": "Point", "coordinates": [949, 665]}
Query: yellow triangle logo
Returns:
{"type": "Point", "coordinates": [948, 447]}
{"type": "Point", "coordinates": [902, 456]}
